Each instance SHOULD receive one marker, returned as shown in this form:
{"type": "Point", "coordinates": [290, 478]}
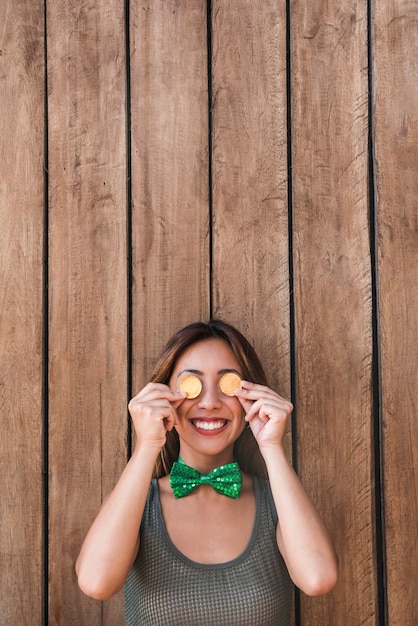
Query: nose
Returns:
{"type": "Point", "coordinates": [209, 397]}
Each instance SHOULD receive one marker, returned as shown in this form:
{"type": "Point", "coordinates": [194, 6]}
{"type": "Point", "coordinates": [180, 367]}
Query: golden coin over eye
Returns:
{"type": "Point", "coordinates": [229, 383]}
{"type": "Point", "coordinates": [191, 385]}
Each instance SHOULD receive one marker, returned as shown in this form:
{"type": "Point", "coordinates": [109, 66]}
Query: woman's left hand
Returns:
{"type": "Point", "coordinates": [266, 412]}
{"type": "Point", "coordinates": [302, 537]}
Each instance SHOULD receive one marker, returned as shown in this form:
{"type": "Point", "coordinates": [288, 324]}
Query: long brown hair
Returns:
{"type": "Point", "coordinates": [246, 448]}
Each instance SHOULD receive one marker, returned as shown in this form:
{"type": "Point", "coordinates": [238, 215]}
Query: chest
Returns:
{"type": "Point", "coordinates": [213, 531]}
{"type": "Point", "coordinates": [165, 588]}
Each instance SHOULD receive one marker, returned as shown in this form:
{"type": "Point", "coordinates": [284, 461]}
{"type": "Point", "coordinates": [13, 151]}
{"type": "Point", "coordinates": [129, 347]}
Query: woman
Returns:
{"type": "Point", "coordinates": [194, 537]}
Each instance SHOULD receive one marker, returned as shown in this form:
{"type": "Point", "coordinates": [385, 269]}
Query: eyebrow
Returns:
{"type": "Point", "coordinates": [220, 372]}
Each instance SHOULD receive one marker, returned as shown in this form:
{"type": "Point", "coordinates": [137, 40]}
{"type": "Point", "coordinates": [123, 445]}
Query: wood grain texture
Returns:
{"type": "Point", "coordinates": [187, 262]}
{"type": "Point", "coordinates": [170, 207]}
{"type": "Point", "coordinates": [332, 278]}
{"type": "Point", "coordinates": [250, 225]}
{"type": "Point", "coordinates": [396, 183]}
{"type": "Point", "coordinates": [250, 249]}
{"type": "Point", "coordinates": [87, 286]}
{"type": "Point", "coordinates": [21, 273]}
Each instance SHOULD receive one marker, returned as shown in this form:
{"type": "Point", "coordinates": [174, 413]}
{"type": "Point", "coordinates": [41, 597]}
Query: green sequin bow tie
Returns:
{"type": "Point", "coordinates": [226, 479]}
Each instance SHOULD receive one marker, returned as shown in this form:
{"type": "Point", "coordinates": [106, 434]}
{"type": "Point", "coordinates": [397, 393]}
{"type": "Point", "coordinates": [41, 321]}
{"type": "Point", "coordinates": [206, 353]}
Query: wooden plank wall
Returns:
{"type": "Point", "coordinates": [396, 167]}
{"type": "Point", "coordinates": [21, 306]}
{"type": "Point", "coordinates": [333, 303]}
{"type": "Point", "coordinates": [87, 305]}
{"type": "Point", "coordinates": [168, 160]}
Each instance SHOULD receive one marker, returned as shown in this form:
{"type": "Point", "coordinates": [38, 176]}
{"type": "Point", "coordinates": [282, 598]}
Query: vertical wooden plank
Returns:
{"type": "Point", "coordinates": [87, 284]}
{"type": "Point", "coordinates": [333, 294]}
{"type": "Point", "coordinates": [21, 235]}
{"type": "Point", "coordinates": [249, 172]}
{"type": "Point", "coordinates": [250, 217]}
{"type": "Point", "coordinates": [169, 109]}
{"type": "Point", "coordinates": [396, 140]}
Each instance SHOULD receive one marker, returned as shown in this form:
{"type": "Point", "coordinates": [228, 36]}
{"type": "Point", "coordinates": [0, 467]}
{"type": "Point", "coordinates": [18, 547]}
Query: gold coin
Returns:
{"type": "Point", "coordinates": [229, 382]}
{"type": "Point", "coordinates": [191, 385]}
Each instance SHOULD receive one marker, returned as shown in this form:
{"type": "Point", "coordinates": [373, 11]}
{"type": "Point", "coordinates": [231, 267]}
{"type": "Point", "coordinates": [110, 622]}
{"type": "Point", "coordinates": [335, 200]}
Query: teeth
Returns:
{"type": "Point", "coordinates": [209, 425]}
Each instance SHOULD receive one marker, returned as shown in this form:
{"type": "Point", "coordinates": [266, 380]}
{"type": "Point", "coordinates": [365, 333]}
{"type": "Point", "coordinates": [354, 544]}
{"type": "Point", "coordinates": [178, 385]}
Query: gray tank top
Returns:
{"type": "Point", "coordinates": [165, 588]}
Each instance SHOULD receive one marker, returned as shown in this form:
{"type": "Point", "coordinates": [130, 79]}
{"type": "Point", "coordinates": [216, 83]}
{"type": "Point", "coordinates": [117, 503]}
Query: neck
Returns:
{"type": "Point", "coordinates": [205, 463]}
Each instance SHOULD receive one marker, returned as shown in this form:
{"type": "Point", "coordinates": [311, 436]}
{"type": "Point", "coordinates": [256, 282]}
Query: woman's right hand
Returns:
{"type": "Point", "coordinates": [112, 542]}
{"type": "Point", "coordinates": [154, 412]}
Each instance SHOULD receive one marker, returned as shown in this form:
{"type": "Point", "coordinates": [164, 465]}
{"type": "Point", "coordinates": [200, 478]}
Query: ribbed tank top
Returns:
{"type": "Point", "coordinates": [165, 588]}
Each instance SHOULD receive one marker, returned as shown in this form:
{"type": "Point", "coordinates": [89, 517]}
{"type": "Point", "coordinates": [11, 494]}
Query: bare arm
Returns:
{"type": "Point", "coordinates": [302, 537]}
{"type": "Point", "coordinates": [112, 542]}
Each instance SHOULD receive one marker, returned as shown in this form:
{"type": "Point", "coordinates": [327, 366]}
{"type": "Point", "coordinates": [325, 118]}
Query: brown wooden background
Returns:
{"type": "Point", "coordinates": [168, 160]}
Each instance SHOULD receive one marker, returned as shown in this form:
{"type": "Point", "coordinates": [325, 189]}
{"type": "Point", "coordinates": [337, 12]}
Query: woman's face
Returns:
{"type": "Point", "coordinates": [210, 423]}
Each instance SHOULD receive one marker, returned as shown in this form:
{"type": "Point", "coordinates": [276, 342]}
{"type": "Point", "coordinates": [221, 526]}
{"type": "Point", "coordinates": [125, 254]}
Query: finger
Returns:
{"type": "Point", "coordinates": [153, 391]}
{"type": "Point", "coordinates": [150, 416]}
{"type": "Point", "coordinates": [140, 404]}
{"type": "Point", "coordinates": [152, 419]}
{"type": "Point", "coordinates": [260, 392]}
{"type": "Point", "coordinates": [246, 404]}
{"type": "Point", "coordinates": [177, 403]}
{"type": "Point", "coordinates": [266, 410]}
{"type": "Point", "coordinates": [262, 389]}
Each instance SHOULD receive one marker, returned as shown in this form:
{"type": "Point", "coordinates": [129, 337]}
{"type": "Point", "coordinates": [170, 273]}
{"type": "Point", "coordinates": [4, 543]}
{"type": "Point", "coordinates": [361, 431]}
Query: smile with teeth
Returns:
{"type": "Point", "coordinates": [209, 425]}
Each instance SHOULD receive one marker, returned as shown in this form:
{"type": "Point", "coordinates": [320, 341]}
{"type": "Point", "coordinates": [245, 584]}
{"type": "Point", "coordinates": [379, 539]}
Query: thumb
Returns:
{"type": "Point", "coordinates": [181, 396]}
{"type": "Point", "coordinates": [246, 404]}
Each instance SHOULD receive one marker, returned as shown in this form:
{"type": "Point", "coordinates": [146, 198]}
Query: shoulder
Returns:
{"type": "Point", "coordinates": [163, 484]}
{"type": "Point", "coordinates": [151, 502]}
{"type": "Point", "coordinates": [163, 490]}
{"type": "Point", "coordinates": [264, 496]}
{"type": "Point", "coordinates": [260, 484]}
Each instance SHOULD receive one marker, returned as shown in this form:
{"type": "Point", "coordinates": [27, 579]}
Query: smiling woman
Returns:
{"type": "Point", "coordinates": [211, 422]}
{"type": "Point", "coordinates": [249, 367]}
{"type": "Point", "coordinates": [208, 523]}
